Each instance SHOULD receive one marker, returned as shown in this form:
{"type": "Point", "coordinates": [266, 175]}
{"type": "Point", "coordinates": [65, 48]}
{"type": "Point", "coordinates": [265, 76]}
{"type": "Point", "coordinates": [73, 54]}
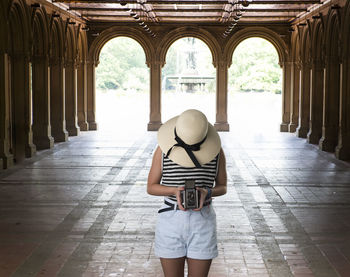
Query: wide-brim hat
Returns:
{"type": "Point", "coordinates": [192, 127]}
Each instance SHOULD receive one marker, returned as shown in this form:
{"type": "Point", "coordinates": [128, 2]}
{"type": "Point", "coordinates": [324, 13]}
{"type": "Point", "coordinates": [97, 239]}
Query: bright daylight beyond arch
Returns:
{"type": "Point", "coordinates": [122, 86]}
{"type": "Point", "coordinates": [188, 79]}
{"type": "Point", "coordinates": [255, 87]}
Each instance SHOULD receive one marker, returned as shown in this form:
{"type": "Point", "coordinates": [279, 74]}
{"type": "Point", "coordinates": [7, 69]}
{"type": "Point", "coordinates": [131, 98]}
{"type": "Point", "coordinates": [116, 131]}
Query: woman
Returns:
{"type": "Point", "coordinates": [189, 149]}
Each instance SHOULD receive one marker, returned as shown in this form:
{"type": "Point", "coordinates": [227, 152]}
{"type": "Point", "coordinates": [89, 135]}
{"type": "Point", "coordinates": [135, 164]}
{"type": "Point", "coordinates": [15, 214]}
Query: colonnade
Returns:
{"type": "Point", "coordinates": [48, 62]}
{"type": "Point", "coordinates": [320, 56]}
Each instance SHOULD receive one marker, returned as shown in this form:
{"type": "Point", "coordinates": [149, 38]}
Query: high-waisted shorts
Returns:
{"type": "Point", "coordinates": [187, 233]}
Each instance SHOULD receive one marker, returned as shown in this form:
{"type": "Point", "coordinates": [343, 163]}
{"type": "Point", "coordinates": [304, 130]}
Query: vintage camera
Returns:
{"type": "Point", "coordinates": [190, 197]}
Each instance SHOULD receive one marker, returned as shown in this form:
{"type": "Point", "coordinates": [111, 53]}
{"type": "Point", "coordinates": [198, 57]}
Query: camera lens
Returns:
{"type": "Point", "coordinates": [191, 198]}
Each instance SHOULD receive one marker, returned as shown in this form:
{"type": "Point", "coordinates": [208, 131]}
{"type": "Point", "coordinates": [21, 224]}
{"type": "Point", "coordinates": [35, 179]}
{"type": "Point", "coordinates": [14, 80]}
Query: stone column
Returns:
{"type": "Point", "coordinates": [286, 95]}
{"type": "Point", "coordinates": [316, 102]}
{"type": "Point", "coordinates": [41, 103]}
{"type": "Point", "coordinates": [91, 95]}
{"type": "Point", "coordinates": [155, 119]}
{"type": "Point", "coordinates": [22, 107]}
{"type": "Point", "coordinates": [294, 97]}
{"type": "Point", "coordinates": [82, 97]}
{"type": "Point", "coordinates": [6, 158]}
{"type": "Point", "coordinates": [221, 123]}
{"type": "Point", "coordinates": [58, 105]}
{"type": "Point", "coordinates": [71, 99]}
{"type": "Point", "coordinates": [304, 101]}
{"type": "Point", "coordinates": [342, 151]}
{"type": "Point", "coordinates": [330, 123]}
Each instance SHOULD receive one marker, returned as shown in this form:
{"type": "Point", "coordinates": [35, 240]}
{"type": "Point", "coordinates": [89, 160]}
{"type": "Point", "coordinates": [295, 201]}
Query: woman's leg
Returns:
{"type": "Point", "coordinates": [198, 268]}
{"type": "Point", "coordinates": [173, 267]}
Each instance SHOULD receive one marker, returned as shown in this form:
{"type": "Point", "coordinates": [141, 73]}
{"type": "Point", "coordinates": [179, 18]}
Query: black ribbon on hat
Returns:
{"type": "Point", "coordinates": [188, 147]}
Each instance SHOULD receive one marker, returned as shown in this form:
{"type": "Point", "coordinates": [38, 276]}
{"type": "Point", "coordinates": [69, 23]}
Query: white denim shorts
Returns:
{"type": "Point", "coordinates": [188, 233]}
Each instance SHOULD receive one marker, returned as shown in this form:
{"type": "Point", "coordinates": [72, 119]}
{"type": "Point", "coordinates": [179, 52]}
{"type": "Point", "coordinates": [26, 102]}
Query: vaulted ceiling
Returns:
{"type": "Point", "coordinates": [189, 11]}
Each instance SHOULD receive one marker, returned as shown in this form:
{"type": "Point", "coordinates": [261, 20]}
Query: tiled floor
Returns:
{"type": "Point", "coordinates": [81, 209]}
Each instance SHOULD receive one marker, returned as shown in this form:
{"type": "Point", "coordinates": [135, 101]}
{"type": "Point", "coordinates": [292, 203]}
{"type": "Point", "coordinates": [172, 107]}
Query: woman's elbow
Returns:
{"type": "Point", "coordinates": [223, 190]}
{"type": "Point", "coordinates": [149, 189]}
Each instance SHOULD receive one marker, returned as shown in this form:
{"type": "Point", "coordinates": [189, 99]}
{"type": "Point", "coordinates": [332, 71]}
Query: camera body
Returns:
{"type": "Point", "coordinates": [190, 197]}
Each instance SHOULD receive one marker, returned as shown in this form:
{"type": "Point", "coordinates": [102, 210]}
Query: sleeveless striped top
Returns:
{"type": "Point", "coordinates": [175, 175]}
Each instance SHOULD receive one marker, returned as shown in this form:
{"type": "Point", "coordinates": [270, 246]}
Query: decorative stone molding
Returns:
{"type": "Point", "coordinates": [281, 47]}
{"type": "Point", "coordinates": [188, 31]}
{"type": "Point", "coordinates": [112, 32]}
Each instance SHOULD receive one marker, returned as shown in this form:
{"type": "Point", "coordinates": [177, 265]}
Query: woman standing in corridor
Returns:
{"type": "Point", "coordinates": [189, 154]}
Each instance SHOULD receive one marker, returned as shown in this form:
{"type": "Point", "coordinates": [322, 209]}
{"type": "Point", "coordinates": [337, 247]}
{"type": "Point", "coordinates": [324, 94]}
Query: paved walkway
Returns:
{"type": "Point", "coordinates": [81, 209]}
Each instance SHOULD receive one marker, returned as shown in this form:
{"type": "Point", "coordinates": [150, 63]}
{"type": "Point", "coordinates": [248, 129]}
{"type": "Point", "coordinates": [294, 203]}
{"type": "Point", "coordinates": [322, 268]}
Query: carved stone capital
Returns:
{"type": "Point", "coordinates": [40, 59]}
{"type": "Point", "coordinates": [92, 63]}
{"type": "Point", "coordinates": [71, 63]}
{"type": "Point", "coordinates": [297, 64]}
{"type": "Point", "coordinates": [17, 56]}
{"type": "Point", "coordinates": [55, 61]}
{"type": "Point", "coordinates": [155, 62]}
{"type": "Point", "coordinates": [220, 63]}
{"type": "Point", "coordinates": [317, 63]}
{"type": "Point", "coordinates": [331, 60]}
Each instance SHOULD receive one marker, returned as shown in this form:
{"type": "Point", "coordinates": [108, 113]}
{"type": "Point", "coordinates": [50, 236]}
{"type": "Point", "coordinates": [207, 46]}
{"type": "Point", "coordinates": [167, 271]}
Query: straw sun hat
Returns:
{"type": "Point", "coordinates": [189, 139]}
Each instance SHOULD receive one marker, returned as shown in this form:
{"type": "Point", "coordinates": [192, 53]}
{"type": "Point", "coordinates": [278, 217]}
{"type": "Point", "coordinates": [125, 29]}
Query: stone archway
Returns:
{"type": "Point", "coordinates": [283, 51]}
{"type": "Point", "coordinates": [93, 60]}
{"type": "Point", "coordinates": [21, 93]}
{"type": "Point", "coordinates": [330, 126]}
{"type": "Point", "coordinates": [294, 82]}
{"type": "Point", "coordinates": [316, 89]}
{"type": "Point", "coordinates": [343, 148]}
{"type": "Point", "coordinates": [6, 157]}
{"type": "Point", "coordinates": [71, 80]}
{"type": "Point", "coordinates": [41, 81]}
{"type": "Point", "coordinates": [254, 88]}
{"type": "Point", "coordinates": [221, 123]}
{"type": "Point", "coordinates": [57, 81]}
{"type": "Point", "coordinates": [82, 80]}
{"type": "Point", "coordinates": [304, 95]}
{"type": "Point", "coordinates": [190, 73]}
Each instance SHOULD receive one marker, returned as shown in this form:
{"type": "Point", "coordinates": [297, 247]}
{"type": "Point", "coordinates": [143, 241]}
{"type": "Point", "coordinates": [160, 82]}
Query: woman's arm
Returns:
{"type": "Point", "coordinates": [155, 174]}
{"type": "Point", "coordinates": [221, 177]}
{"type": "Point", "coordinates": [221, 182]}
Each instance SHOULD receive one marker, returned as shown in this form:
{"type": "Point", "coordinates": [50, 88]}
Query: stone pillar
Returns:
{"type": "Point", "coordinates": [286, 95]}
{"type": "Point", "coordinates": [304, 101]}
{"type": "Point", "coordinates": [294, 100]}
{"type": "Point", "coordinates": [82, 97]}
{"type": "Point", "coordinates": [6, 158]}
{"type": "Point", "coordinates": [155, 119]}
{"type": "Point", "coordinates": [22, 107]}
{"type": "Point", "coordinates": [58, 105]}
{"type": "Point", "coordinates": [316, 102]}
{"type": "Point", "coordinates": [71, 99]}
{"type": "Point", "coordinates": [330, 123]}
{"type": "Point", "coordinates": [342, 151]}
{"type": "Point", "coordinates": [91, 95]}
{"type": "Point", "coordinates": [221, 123]}
{"type": "Point", "coordinates": [41, 103]}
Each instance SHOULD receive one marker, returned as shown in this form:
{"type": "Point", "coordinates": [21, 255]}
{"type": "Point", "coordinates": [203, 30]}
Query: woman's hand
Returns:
{"type": "Point", "coordinates": [178, 197]}
{"type": "Point", "coordinates": [203, 195]}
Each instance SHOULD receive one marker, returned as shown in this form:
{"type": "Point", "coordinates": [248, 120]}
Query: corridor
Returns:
{"type": "Point", "coordinates": [81, 209]}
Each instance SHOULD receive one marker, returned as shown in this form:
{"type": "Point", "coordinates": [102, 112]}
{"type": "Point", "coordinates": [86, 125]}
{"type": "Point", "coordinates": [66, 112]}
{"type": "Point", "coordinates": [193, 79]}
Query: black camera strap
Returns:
{"type": "Point", "coordinates": [188, 147]}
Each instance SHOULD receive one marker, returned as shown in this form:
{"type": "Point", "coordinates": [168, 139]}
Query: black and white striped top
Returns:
{"type": "Point", "coordinates": [175, 175]}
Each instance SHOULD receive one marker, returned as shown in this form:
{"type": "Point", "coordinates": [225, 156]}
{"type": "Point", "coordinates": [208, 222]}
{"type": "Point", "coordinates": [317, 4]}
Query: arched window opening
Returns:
{"type": "Point", "coordinates": [122, 87]}
{"type": "Point", "coordinates": [254, 88]}
{"type": "Point", "coordinates": [188, 79]}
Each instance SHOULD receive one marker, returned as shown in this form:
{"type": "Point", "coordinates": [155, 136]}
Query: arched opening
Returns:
{"type": "Point", "coordinates": [122, 87]}
{"type": "Point", "coordinates": [255, 88]}
{"type": "Point", "coordinates": [188, 79]}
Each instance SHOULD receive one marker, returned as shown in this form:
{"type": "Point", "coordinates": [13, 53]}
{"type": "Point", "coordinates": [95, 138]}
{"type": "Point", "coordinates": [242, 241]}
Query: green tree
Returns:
{"type": "Point", "coordinates": [255, 67]}
{"type": "Point", "coordinates": [122, 65]}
